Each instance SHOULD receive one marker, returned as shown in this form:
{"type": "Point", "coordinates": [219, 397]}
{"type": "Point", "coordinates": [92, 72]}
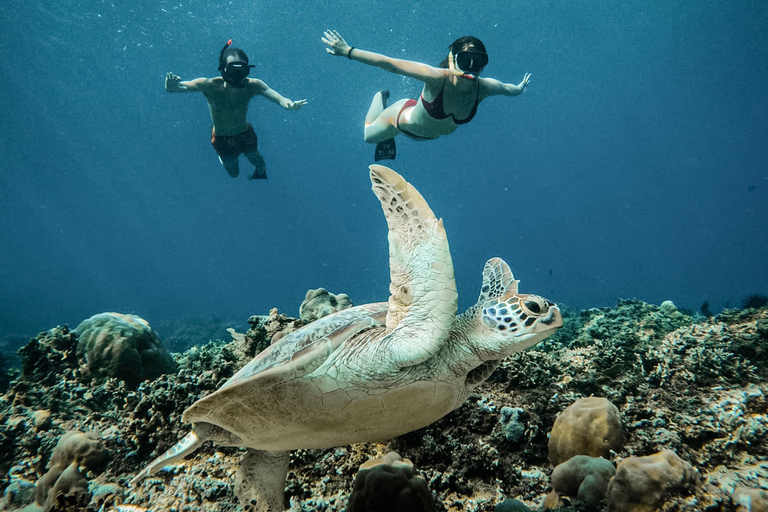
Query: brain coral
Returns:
{"type": "Point", "coordinates": [589, 426]}
{"type": "Point", "coordinates": [122, 346]}
{"type": "Point", "coordinates": [581, 477]}
{"type": "Point", "coordinates": [642, 483]}
{"type": "Point", "coordinates": [388, 484]}
{"type": "Point", "coordinates": [319, 303]}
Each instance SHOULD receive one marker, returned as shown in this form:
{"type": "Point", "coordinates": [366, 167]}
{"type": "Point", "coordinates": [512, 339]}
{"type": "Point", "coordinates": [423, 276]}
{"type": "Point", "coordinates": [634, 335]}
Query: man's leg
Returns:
{"type": "Point", "coordinates": [231, 165]}
{"type": "Point", "coordinates": [260, 171]}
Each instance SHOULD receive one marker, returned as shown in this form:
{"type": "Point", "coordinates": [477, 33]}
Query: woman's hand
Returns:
{"type": "Point", "coordinates": [526, 79]}
{"type": "Point", "coordinates": [337, 45]}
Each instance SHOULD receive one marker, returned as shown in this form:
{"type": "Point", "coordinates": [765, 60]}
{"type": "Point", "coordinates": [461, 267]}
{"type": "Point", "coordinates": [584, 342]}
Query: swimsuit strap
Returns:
{"type": "Point", "coordinates": [436, 110]}
{"type": "Point", "coordinates": [435, 107]}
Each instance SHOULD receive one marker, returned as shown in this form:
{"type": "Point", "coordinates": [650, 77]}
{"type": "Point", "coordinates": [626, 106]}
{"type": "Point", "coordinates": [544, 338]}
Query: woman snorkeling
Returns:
{"type": "Point", "coordinates": [449, 98]}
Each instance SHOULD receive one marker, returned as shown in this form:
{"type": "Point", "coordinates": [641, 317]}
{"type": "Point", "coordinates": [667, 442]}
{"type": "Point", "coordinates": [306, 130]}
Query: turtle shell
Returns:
{"type": "Point", "coordinates": [271, 391]}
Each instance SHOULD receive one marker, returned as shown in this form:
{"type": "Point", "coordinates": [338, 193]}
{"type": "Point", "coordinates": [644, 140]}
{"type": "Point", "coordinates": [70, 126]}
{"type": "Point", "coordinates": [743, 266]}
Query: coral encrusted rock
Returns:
{"type": "Point", "coordinates": [589, 426]}
{"type": "Point", "coordinates": [63, 479]}
{"type": "Point", "coordinates": [387, 484]}
{"type": "Point", "coordinates": [582, 478]}
{"type": "Point", "coordinates": [642, 484]}
{"type": "Point", "coordinates": [319, 303]}
{"type": "Point", "coordinates": [124, 347]}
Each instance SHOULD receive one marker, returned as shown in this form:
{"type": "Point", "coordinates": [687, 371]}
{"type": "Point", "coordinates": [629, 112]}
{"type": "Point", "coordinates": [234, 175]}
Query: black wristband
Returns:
{"type": "Point", "coordinates": [349, 53]}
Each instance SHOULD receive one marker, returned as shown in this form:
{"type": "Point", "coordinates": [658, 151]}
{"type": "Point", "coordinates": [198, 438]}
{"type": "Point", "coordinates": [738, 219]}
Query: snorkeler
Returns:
{"type": "Point", "coordinates": [450, 96]}
{"type": "Point", "coordinates": [228, 97]}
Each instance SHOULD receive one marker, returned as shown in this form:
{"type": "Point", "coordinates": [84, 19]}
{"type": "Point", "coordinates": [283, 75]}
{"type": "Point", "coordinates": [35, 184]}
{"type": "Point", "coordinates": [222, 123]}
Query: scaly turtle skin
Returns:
{"type": "Point", "coordinates": [371, 372]}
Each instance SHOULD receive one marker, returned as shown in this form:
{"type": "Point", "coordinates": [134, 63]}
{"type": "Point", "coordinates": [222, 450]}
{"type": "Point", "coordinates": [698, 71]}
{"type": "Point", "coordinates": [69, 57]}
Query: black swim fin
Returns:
{"type": "Point", "coordinates": [260, 172]}
{"type": "Point", "coordinates": [385, 150]}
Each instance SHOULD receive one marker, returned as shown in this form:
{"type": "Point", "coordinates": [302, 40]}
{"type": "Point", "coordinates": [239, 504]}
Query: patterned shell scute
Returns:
{"type": "Point", "coordinates": [307, 348]}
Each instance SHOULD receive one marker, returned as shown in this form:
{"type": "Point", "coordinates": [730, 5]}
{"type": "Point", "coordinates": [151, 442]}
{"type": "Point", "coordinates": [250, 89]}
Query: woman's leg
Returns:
{"type": "Point", "coordinates": [381, 121]}
{"type": "Point", "coordinates": [378, 105]}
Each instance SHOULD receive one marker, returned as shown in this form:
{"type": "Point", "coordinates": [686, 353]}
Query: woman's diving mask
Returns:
{"type": "Point", "coordinates": [470, 62]}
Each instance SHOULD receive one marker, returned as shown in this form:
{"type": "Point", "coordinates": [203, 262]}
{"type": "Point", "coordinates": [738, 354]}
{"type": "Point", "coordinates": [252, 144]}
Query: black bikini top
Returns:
{"type": "Point", "coordinates": [436, 111]}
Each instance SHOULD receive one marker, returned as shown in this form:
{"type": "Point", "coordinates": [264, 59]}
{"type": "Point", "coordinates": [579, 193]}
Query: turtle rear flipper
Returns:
{"type": "Point", "coordinates": [186, 446]}
{"type": "Point", "coordinates": [260, 480]}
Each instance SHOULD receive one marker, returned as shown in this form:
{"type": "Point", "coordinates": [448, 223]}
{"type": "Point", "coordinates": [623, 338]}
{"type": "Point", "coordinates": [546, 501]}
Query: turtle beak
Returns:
{"type": "Point", "coordinates": [552, 322]}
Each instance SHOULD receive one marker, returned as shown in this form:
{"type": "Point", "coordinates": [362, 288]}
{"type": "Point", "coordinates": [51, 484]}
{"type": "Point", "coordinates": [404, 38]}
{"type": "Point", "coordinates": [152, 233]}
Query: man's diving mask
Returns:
{"type": "Point", "coordinates": [471, 61]}
{"type": "Point", "coordinates": [235, 72]}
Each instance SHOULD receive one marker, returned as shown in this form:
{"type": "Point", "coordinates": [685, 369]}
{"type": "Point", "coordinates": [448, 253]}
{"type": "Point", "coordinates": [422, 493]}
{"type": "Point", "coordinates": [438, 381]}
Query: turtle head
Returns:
{"type": "Point", "coordinates": [505, 321]}
{"type": "Point", "coordinates": [516, 321]}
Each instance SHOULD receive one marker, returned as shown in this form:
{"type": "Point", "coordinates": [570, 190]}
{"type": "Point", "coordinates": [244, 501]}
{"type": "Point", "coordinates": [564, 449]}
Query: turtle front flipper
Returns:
{"type": "Point", "coordinates": [498, 280]}
{"type": "Point", "coordinates": [423, 298]}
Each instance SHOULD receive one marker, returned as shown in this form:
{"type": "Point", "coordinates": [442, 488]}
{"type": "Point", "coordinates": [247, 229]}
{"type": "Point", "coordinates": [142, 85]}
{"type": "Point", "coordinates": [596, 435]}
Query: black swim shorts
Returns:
{"type": "Point", "coordinates": [231, 146]}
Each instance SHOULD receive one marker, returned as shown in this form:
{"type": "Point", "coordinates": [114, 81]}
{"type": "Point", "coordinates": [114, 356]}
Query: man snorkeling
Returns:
{"type": "Point", "coordinates": [228, 98]}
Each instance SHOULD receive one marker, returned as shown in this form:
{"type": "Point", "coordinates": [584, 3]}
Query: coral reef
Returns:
{"type": "Point", "coordinates": [511, 424]}
{"type": "Point", "coordinates": [122, 346]}
{"type": "Point", "coordinates": [590, 426]}
{"type": "Point", "coordinates": [182, 334]}
{"type": "Point", "coordinates": [754, 301]}
{"type": "Point", "coordinates": [320, 302]}
{"type": "Point", "coordinates": [693, 386]}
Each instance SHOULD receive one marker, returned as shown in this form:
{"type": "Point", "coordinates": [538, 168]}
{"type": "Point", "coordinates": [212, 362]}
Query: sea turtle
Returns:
{"type": "Point", "coordinates": [371, 372]}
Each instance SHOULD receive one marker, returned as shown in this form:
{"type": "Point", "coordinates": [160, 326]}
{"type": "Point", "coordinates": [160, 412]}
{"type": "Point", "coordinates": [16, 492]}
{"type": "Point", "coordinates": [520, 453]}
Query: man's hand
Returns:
{"type": "Point", "coordinates": [294, 105]}
{"type": "Point", "coordinates": [173, 82]}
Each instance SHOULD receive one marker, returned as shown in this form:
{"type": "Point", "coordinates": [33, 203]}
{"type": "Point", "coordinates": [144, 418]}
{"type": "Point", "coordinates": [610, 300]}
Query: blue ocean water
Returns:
{"type": "Point", "coordinates": [634, 165]}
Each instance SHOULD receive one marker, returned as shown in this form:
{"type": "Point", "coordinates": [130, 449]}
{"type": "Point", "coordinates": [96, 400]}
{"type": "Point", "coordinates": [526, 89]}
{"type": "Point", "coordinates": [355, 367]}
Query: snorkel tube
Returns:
{"type": "Point", "coordinates": [222, 61]}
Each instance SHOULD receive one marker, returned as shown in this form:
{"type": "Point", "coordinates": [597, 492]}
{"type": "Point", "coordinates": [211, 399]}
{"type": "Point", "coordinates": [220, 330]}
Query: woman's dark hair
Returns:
{"type": "Point", "coordinates": [463, 43]}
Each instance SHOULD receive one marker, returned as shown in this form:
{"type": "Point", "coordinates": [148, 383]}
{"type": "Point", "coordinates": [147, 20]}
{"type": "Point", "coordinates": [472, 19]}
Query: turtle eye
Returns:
{"type": "Point", "coordinates": [533, 307]}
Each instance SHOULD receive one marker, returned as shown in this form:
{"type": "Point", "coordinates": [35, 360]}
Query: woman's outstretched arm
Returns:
{"type": "Point", "coordinates": [495, 87]}
{"type": "Point", "coordinates": [339, 47]}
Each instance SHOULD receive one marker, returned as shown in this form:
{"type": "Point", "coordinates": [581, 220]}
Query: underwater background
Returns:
{"type": "Point", "coordinates": [634, 165]}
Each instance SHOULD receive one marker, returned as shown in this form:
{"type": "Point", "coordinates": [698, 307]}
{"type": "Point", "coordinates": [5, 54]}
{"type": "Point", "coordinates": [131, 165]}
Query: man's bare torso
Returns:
{"type": "Point", "coordinates": [228, 105]}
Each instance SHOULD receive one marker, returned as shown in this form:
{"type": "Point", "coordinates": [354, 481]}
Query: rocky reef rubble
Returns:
{"type": "Point", "coordinates": [695, 387]}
